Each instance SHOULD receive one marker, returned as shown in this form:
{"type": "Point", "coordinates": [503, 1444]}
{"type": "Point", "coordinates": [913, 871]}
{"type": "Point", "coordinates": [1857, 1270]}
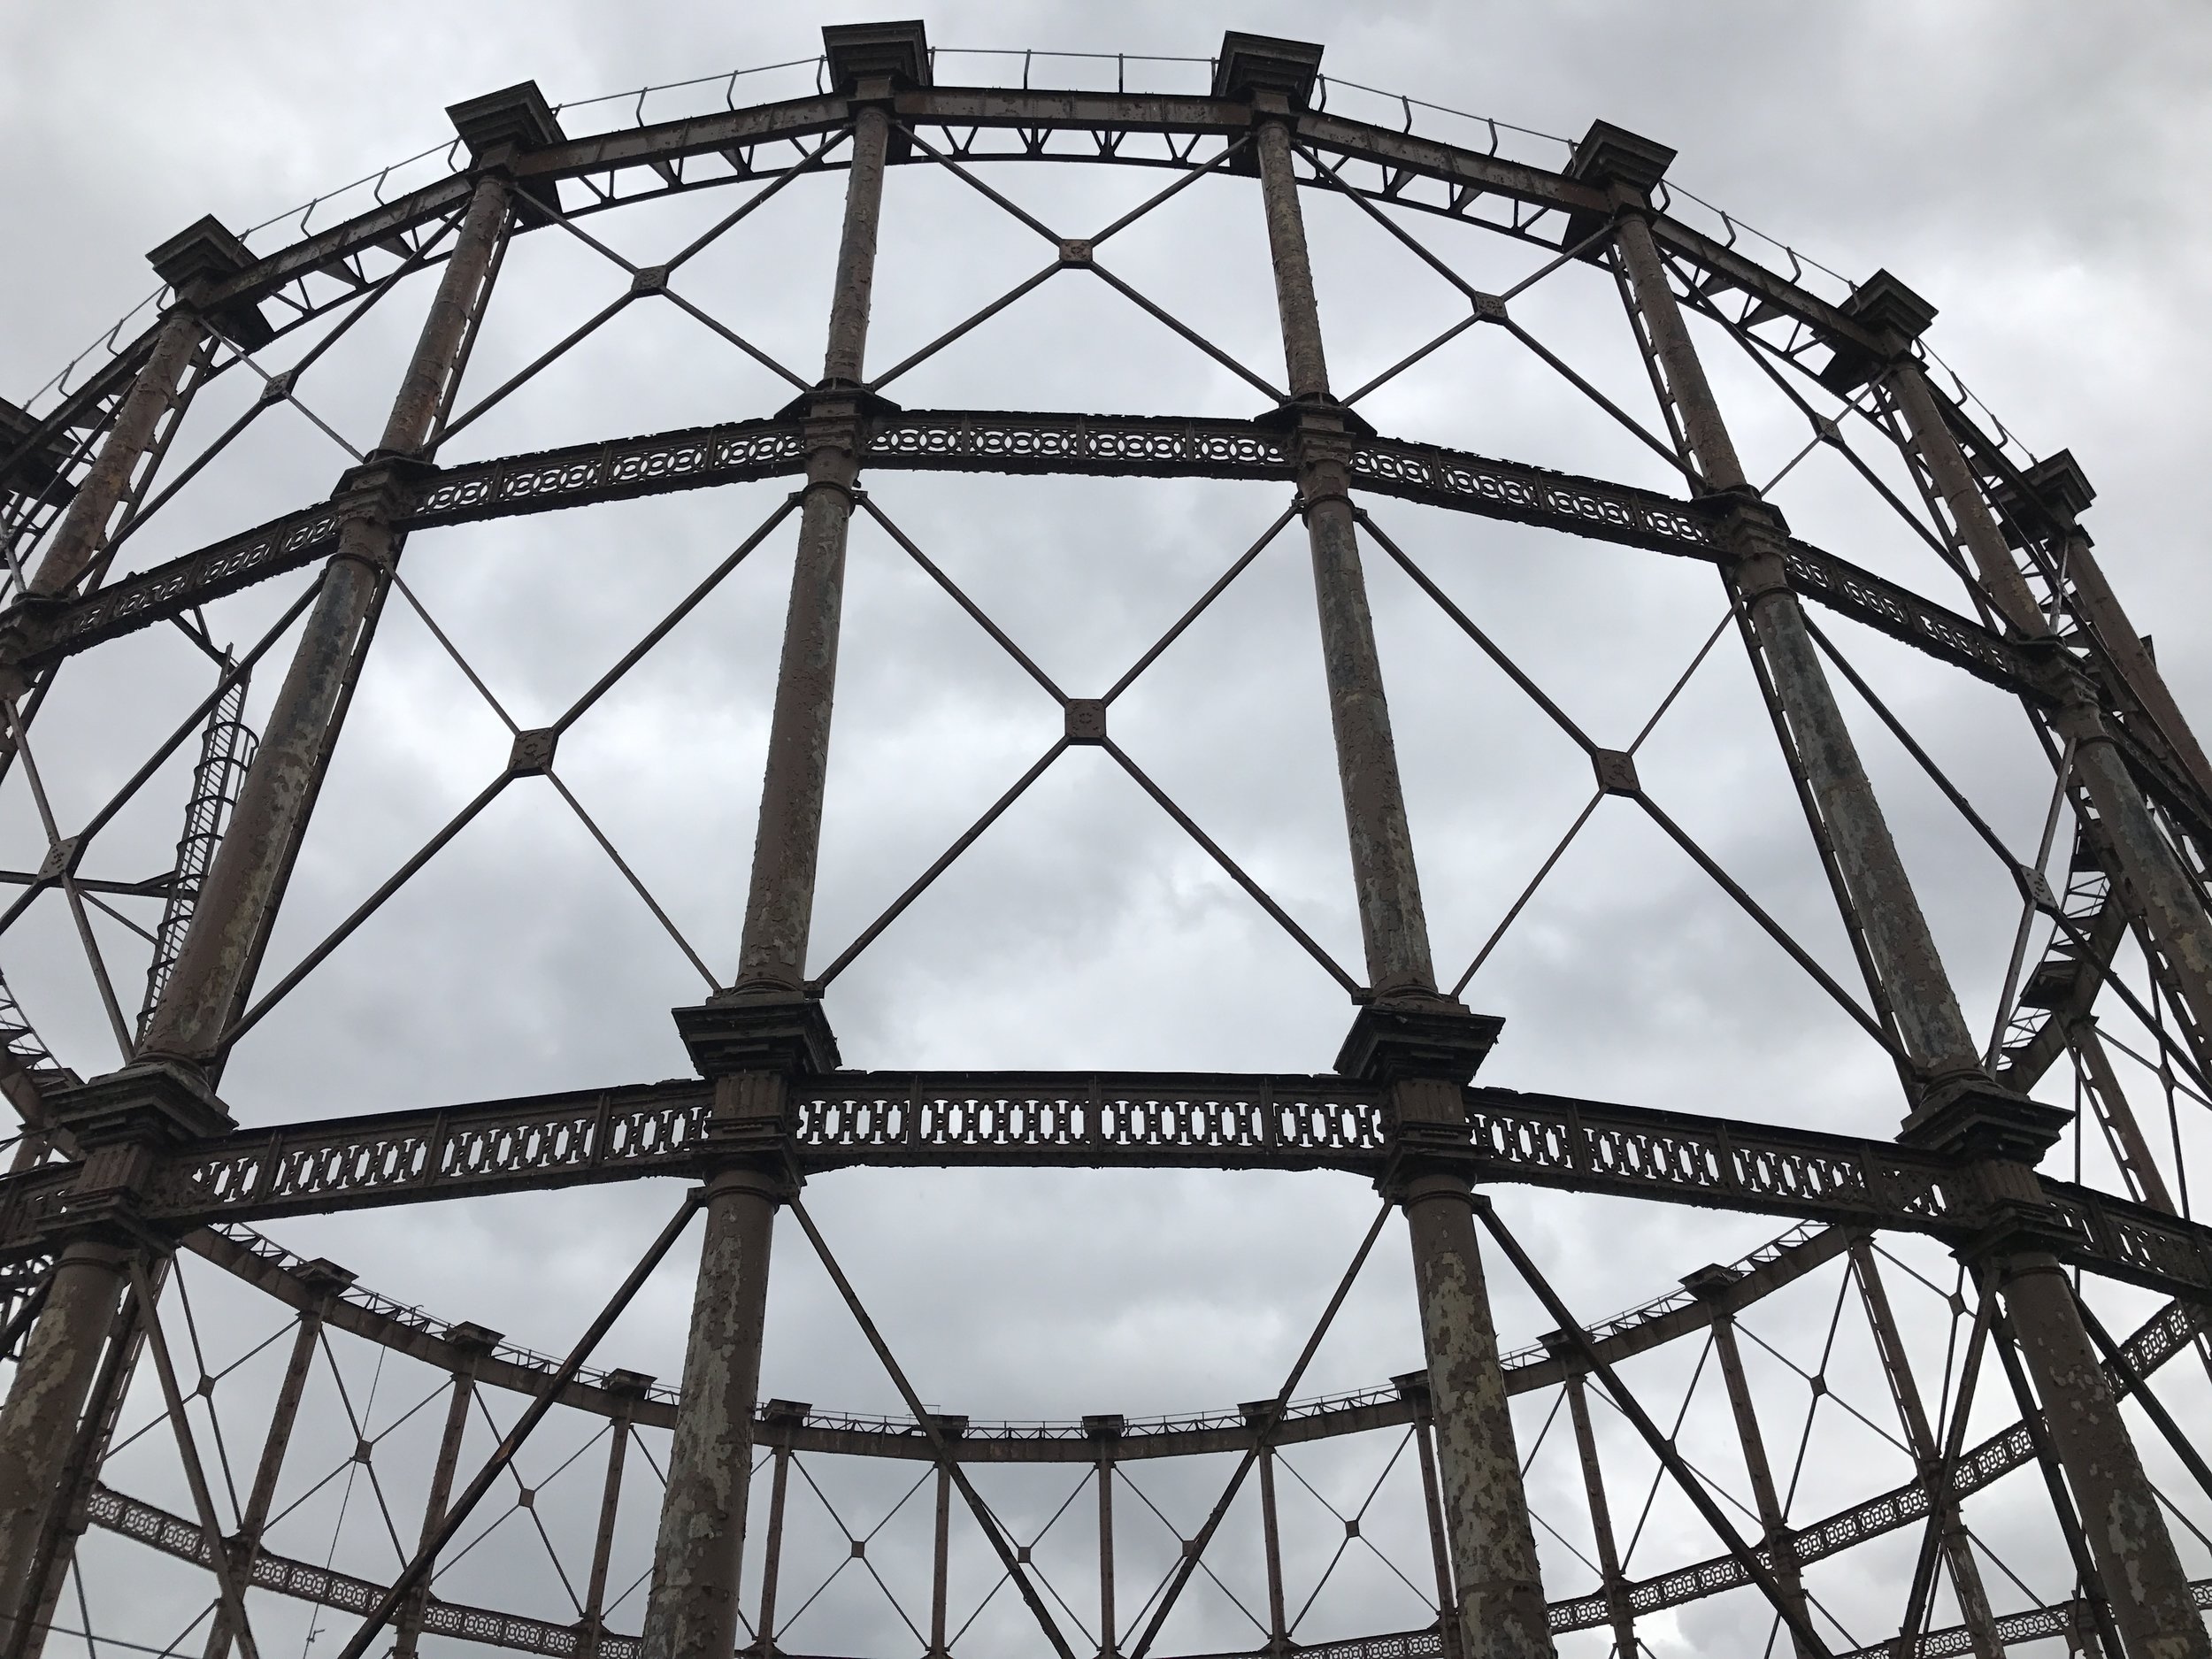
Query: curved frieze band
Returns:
{"type": "Point", "coordinates": [970, 441]}
{"type": "Point", "coordinates": [1089, 1121]}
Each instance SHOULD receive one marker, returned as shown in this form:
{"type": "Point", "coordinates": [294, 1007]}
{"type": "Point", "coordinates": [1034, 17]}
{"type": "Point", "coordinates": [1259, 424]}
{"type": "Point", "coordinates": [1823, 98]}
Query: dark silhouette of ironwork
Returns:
{"type": "Point", "coordinates": [120, 1179]}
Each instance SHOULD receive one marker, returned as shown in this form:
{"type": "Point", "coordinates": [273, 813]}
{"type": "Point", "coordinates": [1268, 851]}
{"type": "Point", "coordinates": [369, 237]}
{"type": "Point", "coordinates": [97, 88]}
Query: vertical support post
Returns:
{"type": "Point", "coordinates": [1885, 913]}
{"type": "Point", "coordinates": [1912, 1413]}
{"type": "Point", "coordinates": [39, 1427]}
{"type": "Point", "coordinates": [84, 527]}
{"type": "Point", "coordinates": [783, 1418]}
{"type": "Point", "coordinates": [2148, 1590]}
{"type": "Point", "coordinates": [2002, 582]}
{"type": "Point", "coordinates": [2150, 878]}
{"type": "Point", "coordinates": [756, 1039]}
{"type": "Point", "coordinates": [629, 1387]}
{"type": "Point", "coordinates": [1616, 1603]}
{"type": "Point", "coordinates": [1104, 1430]}
{"type": "Point", "coordinates": [2095, 604]}
{"type": "Point", "coordinates": [2113, 1110]}
{"type": "Point", "coordinates": [1270, 1534]}
{"type": "Point", "coordinates": [941, 1561]}
{"type": "Point", "coordinates": [1392, 928]}
{"type": "Point", "coordinates": [329, 1279]}
{"type": "Point", "coordinates": [779, 904]}
{"type": "Point", "coordinates": [476, 1342]}
{"type": "Point", "coordinates": [1500, 1610]}
{"type": "Point", "coordinates": [237, 909]}
{"type": "Point", "coordinates": [695, 1563]}
{"type": "Point", "coordinates": [1711, 1285]}
{"type": "Point", "coordinates": [1414, 1386]}
{"type": "Point", "coordinates": [1959, 1110]}
{"type": "Point", "coordinates": [1425, 1048]}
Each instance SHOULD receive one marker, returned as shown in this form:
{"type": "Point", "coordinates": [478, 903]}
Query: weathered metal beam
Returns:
{"type": "Point", "coordinates": [965, 440]}
{"type": "Point", "coordinates": [1077, 1120]}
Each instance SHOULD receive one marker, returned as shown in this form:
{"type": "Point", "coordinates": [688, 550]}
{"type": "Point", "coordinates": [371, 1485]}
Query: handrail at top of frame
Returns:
{"type": "Point", "coordinates": [1010, 442]}
{"type": "Point", "coordinates": [1035, 109]}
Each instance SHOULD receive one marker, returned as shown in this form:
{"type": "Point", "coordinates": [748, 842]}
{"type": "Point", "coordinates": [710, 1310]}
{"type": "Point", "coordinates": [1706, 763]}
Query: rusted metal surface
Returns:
{"type": "Point", "coordinates": [38, 1425]}
{"type": "Point", "coordinates": [2143, 788]}
{"type": "Point", "coordinates": [2151, 1597]}
{"type": "Point", "coordinates": [1090, 1120]}
{"type": "Point", "coordinates": [693, 1605]}
{"type": "Point", "coordinates": [1619, 1609]}
{"type": "Point", "coordinates": [1766, 1501]}
{"type": "Point", "coordinates": [238, 901]}
{"type": "Point", "coordinates": [1501, 1611]}
{"type": "Point", "coordinates": [84, 529]}
{"type": "Point", "coordinates": [779, 905]}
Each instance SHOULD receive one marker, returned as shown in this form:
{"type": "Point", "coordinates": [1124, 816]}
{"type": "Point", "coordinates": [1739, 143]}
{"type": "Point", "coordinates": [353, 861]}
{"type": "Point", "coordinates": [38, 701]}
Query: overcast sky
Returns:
{"type": "Point", "coordinates": [2031, 168]}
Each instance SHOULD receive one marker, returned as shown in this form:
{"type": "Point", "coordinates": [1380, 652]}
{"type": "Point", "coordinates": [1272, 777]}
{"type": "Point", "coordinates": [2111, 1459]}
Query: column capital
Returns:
{"type": "Point", "coordinates": [895, 52]}
{"type": "Point", "coordinates": [154, 1102]}
{"type": "Point", "coordinates": [1428, 1038]}
{"type": "Point", "coordinates": [1894, 315]}
{"type": "Point", "coordinates": [784, 1032]}
{"type": "Point", "coordinates": [1621, 165]}
{"type": "Point", "coordinates": [1715, 1286]}
{"type": "Point", "coordinates": [196, 260]}
{"type": "Point", "coordinates": [1970, 1117]}
{"type": "Point", "coordinates": [2056, 486]}
{"type": "Point", "coordinates": [1252, 64]}
{"type": "Point", "coordinates": [500, 128]}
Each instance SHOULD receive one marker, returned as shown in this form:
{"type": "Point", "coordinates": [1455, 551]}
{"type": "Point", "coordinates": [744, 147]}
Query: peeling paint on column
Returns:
{"type": "Point", "coordinates": [1502, 1612]}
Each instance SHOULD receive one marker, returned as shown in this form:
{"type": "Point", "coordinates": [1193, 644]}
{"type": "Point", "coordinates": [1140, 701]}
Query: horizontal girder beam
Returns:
{"type": "Point", "coordinates": [969, 441]}
{"type": "Point", "coordinates": [1095, 1121]}
{"type": "Point", "coordinates": [2164, 1335]}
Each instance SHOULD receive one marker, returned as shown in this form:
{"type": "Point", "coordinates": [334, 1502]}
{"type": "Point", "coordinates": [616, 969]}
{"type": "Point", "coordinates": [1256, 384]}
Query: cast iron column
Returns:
{"type": "Point", "coordinates": [1710, 1286]}
{"type": "Point", "coordinates": [630, 1388]}
{"type": "Point", "coordinates": [1959, 1111]}
{"type": "Point", "coordinates": [84, 527]}
{"type": "Point", "coordinates": [238, 902]}
{"type": "Point", "coordinates": [1618, 1609]}
{"type": "Point", "coordinates": [1888, 914]}
{"type": "Point", "coordinates": [38, 1428]}
{"type": "Point", "coordinates": [1502, 1612]}
{"type": "Point", "coordinates": [780, 906]}
{"type": "Point", "coordinates": [329, 1279]}
{"type": "Point", "coordinates": [1105, 1432]}
{"type": "Point", "coordinates": [2149, 1592]}
{"type": "Point", "coordinates": [474, 1342]}
{"type": "Point", "coordinates": [784, 1418]}
{"type": "Point", "coordinates": [2150, 877]}
{"type": "Point", "coordinates": [755, 1040]}
{"type": "Point", "coordinates": [693, 1609]}
{"type": "Point", "coordinates": [1392, 925]}
{"type": "Point", "coordinates": [1422, 1047]}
